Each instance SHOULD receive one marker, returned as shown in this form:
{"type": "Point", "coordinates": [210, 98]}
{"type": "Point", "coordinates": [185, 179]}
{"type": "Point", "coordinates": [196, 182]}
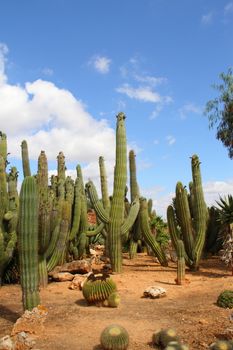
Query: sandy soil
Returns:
{"type": "Point", "coordinates": [190, 309]}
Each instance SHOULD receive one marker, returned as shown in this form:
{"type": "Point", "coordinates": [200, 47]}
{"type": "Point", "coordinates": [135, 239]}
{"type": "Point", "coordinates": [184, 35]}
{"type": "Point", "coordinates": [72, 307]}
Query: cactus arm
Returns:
{"type": "Point", "coordinates": [95, 232]}
{"type": "Point", "coordinates": [77, 210]}
{"type": "Point", "coordinates": [104, 184]}
{"type": "Point", "coordinates": [98, 206]}
{"type": "Point", "coordinates": [149, 238]}
{"type": "Point", "coordinates": [185, 219]}
{"type": "Point", "coordinates": [132, 215]}
{"type": "Point", "coordinates": [25, 159]}
{"type": "Point", "coordinates": [28, 243]}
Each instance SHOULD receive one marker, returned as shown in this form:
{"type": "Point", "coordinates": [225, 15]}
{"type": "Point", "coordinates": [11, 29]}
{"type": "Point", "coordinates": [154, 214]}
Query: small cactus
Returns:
{"type": "Point", "coordinates": [225, 299]}
{"type": "Point", "coordinates": [164, 337]}
{"type": "Point", "coordinates": [174, 345]}
{"type": "Point", "coordinates": [113, 300]}
{"type": "Point", "coordinates": [97, 288]}
{"type": "Point", "coordinates": [221, 345]}
{"type": "Point", "coordinates": [114, 337]}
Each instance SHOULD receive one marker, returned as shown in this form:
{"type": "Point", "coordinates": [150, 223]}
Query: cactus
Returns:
{"type": "Point", "coordinates": [225, 299]}
{"type": "Point", "coordinates": [174, 345]}
{"type": "Point", "coordinates": [164, 337]}
{"type": "Point", "coordinates": [114, 337]}
{"type": "Point", "coordinates": [98, 288]}
{"type": "Point", "coordinates": [25, 159]}
{"type": "Point", "coordinates": [191, 215]}
{"type": "Point", "coordinates": [114, 220]}
{"type": "Point", "coordinates": [221, 345]}
{"type": "Point", "coordinates": [28, 243]}
{"type": "Point", "coordinates": [180, 263]}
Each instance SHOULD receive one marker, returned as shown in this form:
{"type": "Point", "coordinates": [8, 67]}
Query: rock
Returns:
{"type": "Point", "coordinates": [76, 266]}
{"type": "Point", "coordinates": [78, 281]}
{"type": "Point", "coordinates": [6, 343]}
{"type": "Point", "coordinates": [23, 341]}
{"type": "Point", "coordinates": [62, 276]}
{"type": "Point", "coordinates": [31, 321]}
{"type": "Point", "coordinates": [154, 292]}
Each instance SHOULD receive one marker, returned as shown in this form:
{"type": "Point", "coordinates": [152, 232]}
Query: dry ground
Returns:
{"type": "Point", "coordinates": [190, 309]}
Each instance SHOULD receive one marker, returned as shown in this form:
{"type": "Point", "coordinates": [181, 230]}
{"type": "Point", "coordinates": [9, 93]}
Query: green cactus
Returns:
{"type": "Point", "coordinates": [180, 263]}
{"type": "Point", "coordinates": [28, 243]}
{"type": "Point", "coordinates": [97, 288]}
{"type": "Point", "coordinates": [25, 159]}
{"type": "Point", "coordinates": [164, 337]}
{"type": "Point", "coordinates": [221, 345]}
{"type": "Point", "coordinates": [174, 345]}
{"type": "Point", "coordinates": [225, 299]}
{"type": "Point", "coordinates": [116, 224]}
{"type": "Point", "coordinates": [114, 337]}
{"type": "Point", "coordinates": [148, 236]}
{"type": "Point", "coordinates": [191, 215]}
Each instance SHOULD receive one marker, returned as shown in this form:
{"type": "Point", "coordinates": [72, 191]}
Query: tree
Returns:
{"type": "Point", "coordinates": [220, 111]}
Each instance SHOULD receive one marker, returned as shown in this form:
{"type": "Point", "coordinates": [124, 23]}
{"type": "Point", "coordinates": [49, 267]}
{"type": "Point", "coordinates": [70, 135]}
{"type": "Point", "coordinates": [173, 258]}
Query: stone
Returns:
{"type": "Point", "coordinates": [154, 292]}
{"type": "Point", "coordinates": [31, 321]}
{"type": "Point", "coordinates": [6, 343]}
{"type": "Point", "coordinates": [78, 281]}
{"type": "Point", "coordinates": [76, 266]}
{"type": "Point", "coordinates": [62, 276]}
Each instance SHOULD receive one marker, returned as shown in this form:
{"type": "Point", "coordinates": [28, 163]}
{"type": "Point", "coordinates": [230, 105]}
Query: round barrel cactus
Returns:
{"type": "Point", "coordinates": [225, 299]}
{"type": "Point", "coordinates": [174, 345]}
{"type": "Point", "coordinates": [221, 345]}
{"type": "Point", "coordinates": [114, 337]}
{"type": "Point", "coordinates": [97, 288]}
{"type": "Point", "coordinates": [164, 337]}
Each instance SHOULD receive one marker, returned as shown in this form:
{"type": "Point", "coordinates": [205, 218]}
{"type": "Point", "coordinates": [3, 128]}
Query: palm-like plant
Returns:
{"type": "Point", "coordinates": [225, 217]}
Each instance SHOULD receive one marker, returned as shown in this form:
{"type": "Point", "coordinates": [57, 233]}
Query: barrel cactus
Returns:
{"type": "Point", "coordinates": [97, 288]}
{"type": "Point", "coordinates": [174, 345]}
{"type": "Point", "coordinates": [114, 337]}
{"type": "Point", "coordinates": [164, 337]}
{"type": "Point", "coordinates": [225, 299]}
{"type": "Point", "coordinates": [221, 345]}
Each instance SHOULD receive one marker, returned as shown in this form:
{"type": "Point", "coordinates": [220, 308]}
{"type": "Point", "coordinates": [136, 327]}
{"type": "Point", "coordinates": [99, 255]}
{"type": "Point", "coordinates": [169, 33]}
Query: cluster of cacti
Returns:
{"type": "Point", "coordinates": [8, 208]}
{"type": "Point", "coordinates": [187, 218]}
{"type": "Point", "coordinates": [100, 289]}
{"type": "Point", "coordinates": [168, 339]}
{"type": "Point", "coordinates": [225, 299]}
{"type": "Point", "coordinates": [114, 337]}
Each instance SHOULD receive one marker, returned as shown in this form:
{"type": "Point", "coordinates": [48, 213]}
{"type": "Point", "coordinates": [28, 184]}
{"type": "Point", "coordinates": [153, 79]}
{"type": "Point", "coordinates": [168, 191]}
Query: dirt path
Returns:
{"type": "Point", "coordinates": [189, 309]}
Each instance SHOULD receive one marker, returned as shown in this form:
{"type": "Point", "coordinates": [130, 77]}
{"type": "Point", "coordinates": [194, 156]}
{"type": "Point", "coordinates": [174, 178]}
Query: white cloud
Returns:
{"type": "Point", "coordinates": [170, 139]}
{"type": "Point", "coordinates": [144, 94]}
{"type": "Point", "coordinates": [214, 189]}
{"type": "Point", "coordinates": [228, 8]}
{"type": "Point", "coordinates": [207, 19]}
{"type": "Point", "coordinates": [152, 81]}
{"type": "Point", "coordinates": [189, 108]}
{"type": "Point", "coordinates": [47, 71]}
{"type": "Point", "coordinates": [51, 119]}
{"type": "Point", "coordinates": [101, 64]}
{"type": "Point", "coordinates": [156, 112]}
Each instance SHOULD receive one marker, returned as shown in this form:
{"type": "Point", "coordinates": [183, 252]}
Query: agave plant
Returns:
{"type": "Point", "coordinates": [225, 217]}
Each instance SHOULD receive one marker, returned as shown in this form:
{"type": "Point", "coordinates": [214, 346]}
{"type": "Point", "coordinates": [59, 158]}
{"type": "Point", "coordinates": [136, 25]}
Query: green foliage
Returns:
{"type": "Point", "coordinates": [114, 337]}
{"type": "Point", "coordinates": [159, 226]}
{"type": "Point", "coordinates": [225, 299]}
{"type": "Point", "coordinates": [220, 111]}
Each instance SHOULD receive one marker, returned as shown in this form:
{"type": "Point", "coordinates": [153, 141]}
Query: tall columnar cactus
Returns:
{"type": "Point", "coordinates": [191, 215]}
{"type": "Point", "coordinates": [8, 208]}
{"type": "Point", "coordinates": [115, 222]}
{"type": "Point", "coordinates": [147, 234]}
{"type": "Point", "coordinates": [135, 233]}
{"type": "Point", "coordinates": [25, 159]}
{"type": "Point", "coordinates": [28, 243]}
{"type": "Point", "coordinates": [180, 263]}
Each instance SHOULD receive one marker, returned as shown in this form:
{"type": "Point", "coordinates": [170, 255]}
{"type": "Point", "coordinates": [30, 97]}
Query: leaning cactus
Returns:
{"type": "Point", "coordinates": [191, 215]}
{"type": "Point", "coordinates": [28, 243]}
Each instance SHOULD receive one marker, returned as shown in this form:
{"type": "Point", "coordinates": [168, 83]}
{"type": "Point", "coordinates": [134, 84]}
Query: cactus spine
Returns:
{"type": "Point", "coordinates": [28, 243]}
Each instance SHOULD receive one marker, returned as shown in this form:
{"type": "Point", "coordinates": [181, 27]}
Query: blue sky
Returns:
{"type": "Point", "coordinates": [67, 67]}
